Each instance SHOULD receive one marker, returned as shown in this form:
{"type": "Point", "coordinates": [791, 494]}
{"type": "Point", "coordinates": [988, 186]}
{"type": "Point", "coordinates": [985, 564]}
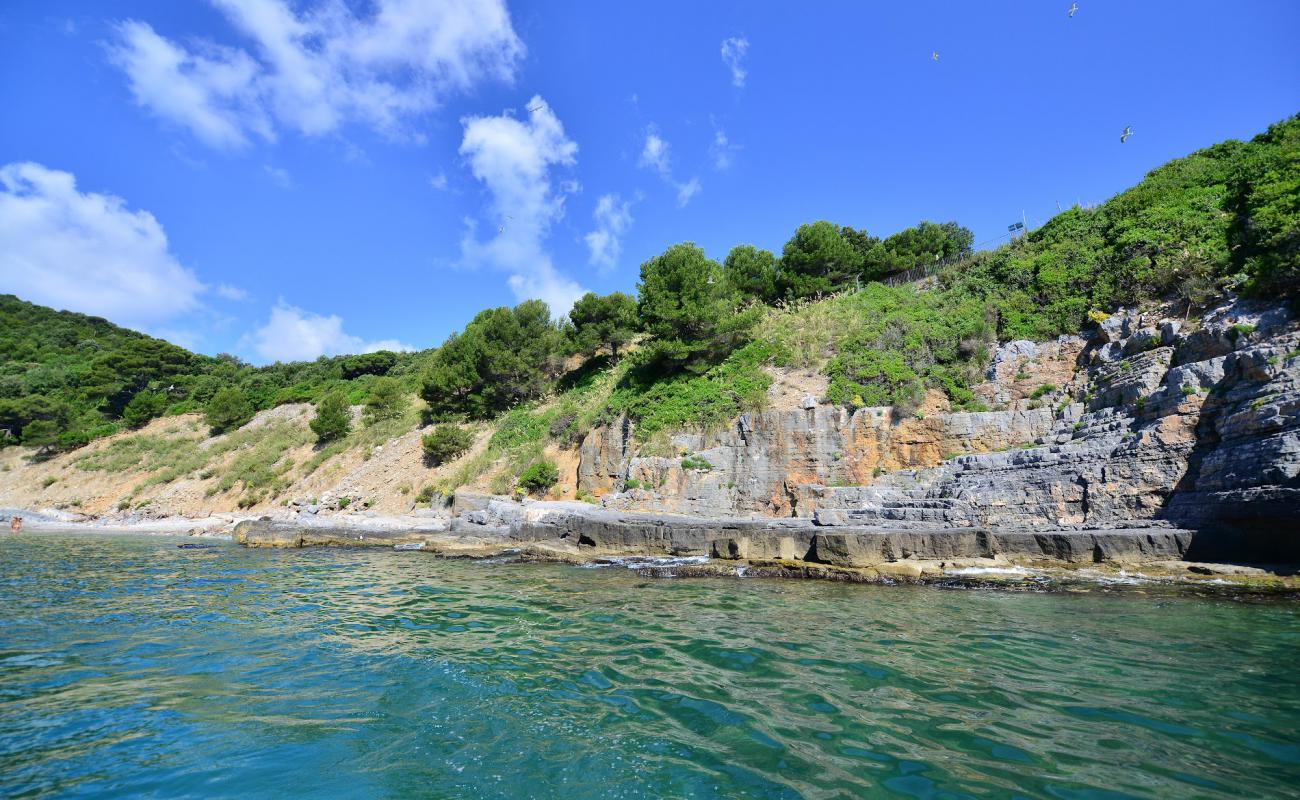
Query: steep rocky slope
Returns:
{"type": "Point", "coordinates": [1147, 420]}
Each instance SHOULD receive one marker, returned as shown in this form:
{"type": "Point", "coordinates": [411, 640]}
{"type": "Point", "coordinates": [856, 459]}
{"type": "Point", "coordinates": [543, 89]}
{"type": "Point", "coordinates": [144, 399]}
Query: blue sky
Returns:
{"type": "Point", "coordinates": [282, 180]}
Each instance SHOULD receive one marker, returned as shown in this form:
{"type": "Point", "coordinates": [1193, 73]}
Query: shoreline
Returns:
{"type": "Point", "coordinates": [667, 546]}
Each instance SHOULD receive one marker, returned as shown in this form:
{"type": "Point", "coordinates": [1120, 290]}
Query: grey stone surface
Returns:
{"type": "Point", "coordinates": [1198, 427]}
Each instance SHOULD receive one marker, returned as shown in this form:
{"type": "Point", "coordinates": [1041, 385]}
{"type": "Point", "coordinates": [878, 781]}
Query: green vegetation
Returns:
{"type": "Point", "coordinates": [1223, 217]}
{"type": "Point", "coordinates": [668, 402]}
{"type": "Point", "coordinates": [229, 408]}
{"type": "Point", "coordinates": [540, 476]}
{"type": "Point", "coordinates": [752, 272]}
{"type": "Point", "coordinates": [597, 322]}
{"type": "Point", "coordinates": [425, 496]}
{"type": "Point", "coordinates": [689, 309]}
{"type": "Point", "coordinates": [90, 378]}
{"type": "Point", "coordinates": [504, 357]}
{"type": "Point", "coordinates": [386, 399]}
{"type": "Point", "coordinates": [698, 463]}
{"type": "Point", "coordinates": [333, 417]}
{"type": "Point", "coordinates": [699, 342]}
{"type": "Point", "coordinates": [445, 443]}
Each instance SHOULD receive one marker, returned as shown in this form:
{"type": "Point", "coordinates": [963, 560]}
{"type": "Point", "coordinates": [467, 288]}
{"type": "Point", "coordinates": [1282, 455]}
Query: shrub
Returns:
{"type": "Point", "coordinates": [1046, 388]}
{"type": "Point", "coordinates": [631, 484]}
{"type": "Point", "coordinates": [333, 418]}
{"type": "Point", "coordinates": [445, 443]}
{"type": "Point", "coordinates": [228, 409]}
{"type": "Point", "coordinates": [385, 400]}
{"type": "Point", "coordinates": [344, 502]}
{"type": "Point", "coordinates": [144, 407]}
{"type": "Point", "coordinates": [540, 476]}
{"type": "Point", "coordinates": [697, 463]}
{"type": "Point", "coordinates": [425, 496]}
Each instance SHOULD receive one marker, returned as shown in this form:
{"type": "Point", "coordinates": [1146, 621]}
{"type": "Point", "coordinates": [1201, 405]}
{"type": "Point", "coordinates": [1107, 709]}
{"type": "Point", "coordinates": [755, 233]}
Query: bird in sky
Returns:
{"type": "Point", "coordinates": [502, 229]}
{"type": "Point", "coordinates": [934, 56]}
{"type": "Point", "coordinates": [1073, 8]}
{"type": "Point", "coordinates": [537, 107]}
{"type": "Point", "coordinates": [1128, 131]}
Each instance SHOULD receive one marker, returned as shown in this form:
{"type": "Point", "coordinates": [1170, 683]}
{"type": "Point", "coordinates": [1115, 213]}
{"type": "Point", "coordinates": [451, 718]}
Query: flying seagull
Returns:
{"type": "Point", "coordinates": [502, 229]}
{"type": "Point", "coordinates": [1128, 131]}
{"type": "Point", "coordinates": [537, 107]}
{"type": "Point", "coordinates": [1073, 8]}
{"type": "Point", "coordinates": [934, 56]}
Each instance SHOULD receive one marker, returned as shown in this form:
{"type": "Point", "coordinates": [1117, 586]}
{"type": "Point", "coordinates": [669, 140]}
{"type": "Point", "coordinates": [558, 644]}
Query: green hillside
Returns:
{"type": "Point", "coordinates": [67, 378]}
{"type": "Point", "coordinates": [690, 348]}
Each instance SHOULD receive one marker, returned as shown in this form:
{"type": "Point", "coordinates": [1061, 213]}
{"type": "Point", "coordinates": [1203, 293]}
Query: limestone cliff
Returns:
{"type": "Point", "coordinates": [1144, 419]}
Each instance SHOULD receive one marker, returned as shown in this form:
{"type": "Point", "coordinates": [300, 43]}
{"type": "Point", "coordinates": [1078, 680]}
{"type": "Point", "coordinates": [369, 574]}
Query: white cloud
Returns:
{"type": "Point", "coordinates": [231, 292]}
{"type": "Point", "coordinates": [213, 93]}
{"type": "Point", "coordinates": [734, 50]}
{"type": "Point", "coordinates": [722, 150]}
{"type": "Point", "coordinates": [687, 190]}
{"type": "Point", "coordinates": [280, 177]}
{"type": "Point", "coordinates": [514, 159]}
{"type": "Point", "coordinates": [292, 334]}
{"type": "Point", "coordinates": [86, 251]}
{"type": "Point", "coordinates": [439, 181]}
{"type": "Point", "coordinates": [613, 218]}
{"type": "Point", "coordinates": [314, 69]}
{"type": "Point", "coordinates": [388, 344]}
{"type": "Point", "coordinates": [656, 154]}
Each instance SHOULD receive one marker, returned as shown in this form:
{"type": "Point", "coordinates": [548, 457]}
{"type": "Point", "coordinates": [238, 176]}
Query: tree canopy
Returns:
{"type": "Point", "coordinates": [688, 306]}
{"type": "Point", "coordinates": [608, 321]}
{"type": "Point", "coordinates": [505, 356]}
{"type": "Point", "coordinates": [816, 261]}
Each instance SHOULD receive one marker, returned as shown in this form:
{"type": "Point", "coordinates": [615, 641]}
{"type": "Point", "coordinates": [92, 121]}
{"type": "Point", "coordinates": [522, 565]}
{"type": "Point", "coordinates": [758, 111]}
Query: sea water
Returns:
{"type": "Point", "coordinates": [130, 667]}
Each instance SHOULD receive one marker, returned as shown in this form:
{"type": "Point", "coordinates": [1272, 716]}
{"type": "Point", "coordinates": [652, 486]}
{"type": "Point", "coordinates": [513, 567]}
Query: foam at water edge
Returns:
{"type": "Point", "coordinates": [645, 562]}
{"type": "Point", "coordinates": [1017, 571]}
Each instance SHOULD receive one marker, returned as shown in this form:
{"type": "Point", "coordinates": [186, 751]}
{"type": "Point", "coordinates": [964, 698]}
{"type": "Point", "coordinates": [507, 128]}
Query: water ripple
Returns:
{"type": "Point", "coordinates": [129, 667]}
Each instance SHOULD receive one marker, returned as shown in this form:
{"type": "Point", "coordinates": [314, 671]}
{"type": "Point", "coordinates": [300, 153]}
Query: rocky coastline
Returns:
{"type": "Point", "coordinates": [1145, 443]}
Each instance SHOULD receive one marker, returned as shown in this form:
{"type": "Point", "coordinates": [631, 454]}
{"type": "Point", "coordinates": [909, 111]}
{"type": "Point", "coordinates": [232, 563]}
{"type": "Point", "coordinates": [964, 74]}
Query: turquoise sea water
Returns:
{"type": "Point", "coordinates": [129, 667]}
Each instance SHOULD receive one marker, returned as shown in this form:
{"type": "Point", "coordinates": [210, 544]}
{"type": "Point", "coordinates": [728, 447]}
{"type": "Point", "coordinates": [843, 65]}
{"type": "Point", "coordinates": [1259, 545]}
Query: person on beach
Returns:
{"type": "Point", "coordinates": [16, 525]}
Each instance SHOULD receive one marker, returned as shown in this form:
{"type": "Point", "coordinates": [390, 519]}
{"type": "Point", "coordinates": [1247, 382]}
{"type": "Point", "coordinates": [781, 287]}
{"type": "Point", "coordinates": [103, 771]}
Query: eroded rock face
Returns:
{"type": "Point", "coordinates": [1150, 419]}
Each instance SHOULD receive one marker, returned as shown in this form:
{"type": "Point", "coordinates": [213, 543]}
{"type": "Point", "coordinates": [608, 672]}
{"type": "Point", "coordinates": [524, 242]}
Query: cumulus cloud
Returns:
{"type": "Point", "coordinates": [656, 154]}
{"type": "Point", "coordinates": [613, 218]}
{"type": "Point", "coordinates": [212, 92]}
{"type": "Point", "coordinates": [314, 69]}
{"type": "Point", "coordinates": [734, 50]}
{"type": "Point", "coordinates": [292, 334]}
{"type": "Point", "coordinates": [514, 159]}
{"type": "Point", "coordinates": [86, 251]}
